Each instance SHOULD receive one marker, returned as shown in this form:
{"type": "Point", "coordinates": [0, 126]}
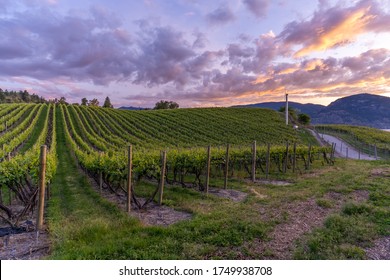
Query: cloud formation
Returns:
{"type": "Point", "coordinates": [97, 47]}
{"type": "Point", "coordinates": [258, 8]}
{"type": "Point", "coordinates": [334, 27]}
{"type": "Point", "coordinates": [221, 15]}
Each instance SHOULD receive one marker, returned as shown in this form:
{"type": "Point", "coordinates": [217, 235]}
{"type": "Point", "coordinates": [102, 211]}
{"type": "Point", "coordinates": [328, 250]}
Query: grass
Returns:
{"type": "Point", "coordinates": [358, 224]}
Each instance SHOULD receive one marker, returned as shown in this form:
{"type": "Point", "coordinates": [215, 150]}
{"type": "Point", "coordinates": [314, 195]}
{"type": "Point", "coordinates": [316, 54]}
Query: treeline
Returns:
{"type": "Point", "coordinates": [21, 96]}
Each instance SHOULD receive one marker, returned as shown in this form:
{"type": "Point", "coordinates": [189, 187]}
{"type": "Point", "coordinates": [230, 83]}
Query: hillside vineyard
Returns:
{"type": "Point", "coordinates": [99, 137]}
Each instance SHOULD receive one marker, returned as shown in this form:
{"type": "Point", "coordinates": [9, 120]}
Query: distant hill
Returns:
{"type": "Point", "coordinates": [360, 109]}
{"type": "Point", "coordinates": [310, 109]}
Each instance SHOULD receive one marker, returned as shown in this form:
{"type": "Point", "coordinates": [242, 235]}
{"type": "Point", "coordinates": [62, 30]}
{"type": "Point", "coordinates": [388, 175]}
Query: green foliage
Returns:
{"type": "Point", "coordinates": [93, 103]}
{"type": "Point", "coordinates": [304, 119]}
{"type": "Point", "coordinates": [107, 103]}
{"type": "Point", "coordinates": [163, 104]}
{"type": "Point", "coordinates": [21, 96]}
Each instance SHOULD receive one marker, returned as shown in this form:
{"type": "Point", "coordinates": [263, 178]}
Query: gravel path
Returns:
{"type": "Point", "coordinates": [342, 148]}
{"type": "Point", "coordinates": [345, 150]}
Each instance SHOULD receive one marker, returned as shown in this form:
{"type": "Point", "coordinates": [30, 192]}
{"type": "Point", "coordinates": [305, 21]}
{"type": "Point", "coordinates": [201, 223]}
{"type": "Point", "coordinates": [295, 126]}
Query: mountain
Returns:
{"type": "Point", "coordinates": [310, 109]}
{"type": "Point", "coordinates": [361, 109]}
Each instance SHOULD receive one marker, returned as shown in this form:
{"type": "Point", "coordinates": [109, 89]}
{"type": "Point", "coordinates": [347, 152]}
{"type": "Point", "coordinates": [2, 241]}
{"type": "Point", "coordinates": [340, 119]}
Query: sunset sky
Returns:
{"type": "Point", "coordinates": [199, 53]}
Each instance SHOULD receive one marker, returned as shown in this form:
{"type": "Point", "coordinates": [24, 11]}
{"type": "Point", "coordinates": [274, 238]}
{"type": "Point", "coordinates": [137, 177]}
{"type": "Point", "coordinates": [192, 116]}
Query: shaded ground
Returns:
{"type": "Point", "coordinates": [24, 246]}
{"type": "Point", "coordinates": [380, 250]}
{"type": "Point", "coordinates": [234, 195]}
{"type": "Point", "coordinates": [152, 214]}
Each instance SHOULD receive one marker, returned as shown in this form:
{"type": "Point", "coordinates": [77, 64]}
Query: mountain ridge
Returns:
{"type": "Point", "coordinates": [360, 109]}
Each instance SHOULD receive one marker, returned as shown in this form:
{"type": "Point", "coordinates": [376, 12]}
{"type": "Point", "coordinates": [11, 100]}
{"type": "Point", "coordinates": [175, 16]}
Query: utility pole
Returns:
{"type": "Point", "coordinates": [286, 109]}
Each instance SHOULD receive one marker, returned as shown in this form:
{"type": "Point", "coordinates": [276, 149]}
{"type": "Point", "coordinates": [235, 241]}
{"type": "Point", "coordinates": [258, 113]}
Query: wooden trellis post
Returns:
{"type": "Point", "coordinates": [208, 168]}
{"type": "Point", "coordinates": [42, 174]}
{"type": "Point", "coordinates": [267, 160]}
{"type": "Point", "coordinates": [286, 159]}
{"type": "Point", "coordinates": [129, 177]}
{"type": "Point", "coordinates": [162, 177]}
{"type": "Point", "coordinates": [226, 166]}
{"type": "Point", "coordinates": [309, 157]}
{"type": "Point", "coordinates": [294, 157]}
{"type": "Point", "coordinates": [254, 161]}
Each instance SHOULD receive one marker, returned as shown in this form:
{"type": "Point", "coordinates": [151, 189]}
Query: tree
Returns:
{"type": "Point", "coordinates": [25, 96]}
{"type": "Point", "coordinates": [63, 101]}
{"type": "Point", "coordinates": [163, 104]}
{"type": "Point", "coordinates": [107, 103]}
{"type": "Point", "coordinates": [93, 102]}
{"type": "Point", "coordinates": [304, 119]}
{"type": "Point", "coordinates": [84, 101]}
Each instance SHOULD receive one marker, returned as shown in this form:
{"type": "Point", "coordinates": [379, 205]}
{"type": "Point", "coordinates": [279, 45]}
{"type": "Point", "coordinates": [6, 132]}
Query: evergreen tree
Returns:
{"type": "Point", "coordinates": [107, 103]}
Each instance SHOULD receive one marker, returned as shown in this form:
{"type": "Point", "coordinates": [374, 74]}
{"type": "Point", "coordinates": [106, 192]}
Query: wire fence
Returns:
{"type": "Point", "coordinates": [372, 150]}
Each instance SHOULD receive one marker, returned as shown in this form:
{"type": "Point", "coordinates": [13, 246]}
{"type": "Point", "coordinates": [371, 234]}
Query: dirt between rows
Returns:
{"type": "Point", "coordinates": [161, 215]}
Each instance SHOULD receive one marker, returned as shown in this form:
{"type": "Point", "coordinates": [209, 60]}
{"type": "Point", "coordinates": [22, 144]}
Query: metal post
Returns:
{"type": "Point", "coordinates": [286, 109]}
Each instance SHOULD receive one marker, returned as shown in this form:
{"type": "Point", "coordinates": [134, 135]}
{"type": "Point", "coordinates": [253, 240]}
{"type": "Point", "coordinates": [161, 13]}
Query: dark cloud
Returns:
{"type": "Point", "coordinates": [258, 8]}
{"type": "Point", "coordinates": [221, 15]}
{"type": "Point", "coordinates": [43, 45]}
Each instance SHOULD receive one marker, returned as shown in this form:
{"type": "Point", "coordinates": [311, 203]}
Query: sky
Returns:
{"type": "Point", "coordinates": [198, 53]}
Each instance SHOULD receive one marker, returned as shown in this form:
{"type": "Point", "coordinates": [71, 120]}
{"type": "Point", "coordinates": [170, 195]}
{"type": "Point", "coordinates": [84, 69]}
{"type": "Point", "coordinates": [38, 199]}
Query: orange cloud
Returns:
{"type": "Point", "coordinates": [345, 32]}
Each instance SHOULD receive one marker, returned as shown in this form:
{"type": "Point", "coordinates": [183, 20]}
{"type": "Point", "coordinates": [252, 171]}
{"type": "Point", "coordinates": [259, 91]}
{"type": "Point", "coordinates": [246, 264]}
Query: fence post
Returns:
{"type": "Point", "coordinates": [294, 156]}
{"type": "Point", "coordinates": [286, 159]}
{"type": "Point", "coordinates": [208, 168]}
{"type": "Point", "coordinates": [100, 174]}
{"type": "Point", "coordinates": [129, 177]}
{"type": "Point", "coordinates": [162, 177]}
{"type": "Point", "coordinates": [346, 152]}
{"type": "Point", "coordinates": [376, 152]}
{"type": "Point", "coordinates": [226, 166]}
{"type": "Point", "coordinates": [41, 202]}
{"type": "Point", "coordinates": [309, 157]}
{"type": "Point", "coordinates": [333, 151]}
{"type": "Point", "coordinates": [254, 161]}
{"type": "Point", "coordinates": [267, 161]}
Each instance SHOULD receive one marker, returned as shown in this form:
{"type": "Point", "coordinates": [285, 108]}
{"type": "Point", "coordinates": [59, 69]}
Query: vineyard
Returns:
{"type": "Point", "coordinates": [99, 139]}
{"type": "Point", "coordinates": [228, 174]}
